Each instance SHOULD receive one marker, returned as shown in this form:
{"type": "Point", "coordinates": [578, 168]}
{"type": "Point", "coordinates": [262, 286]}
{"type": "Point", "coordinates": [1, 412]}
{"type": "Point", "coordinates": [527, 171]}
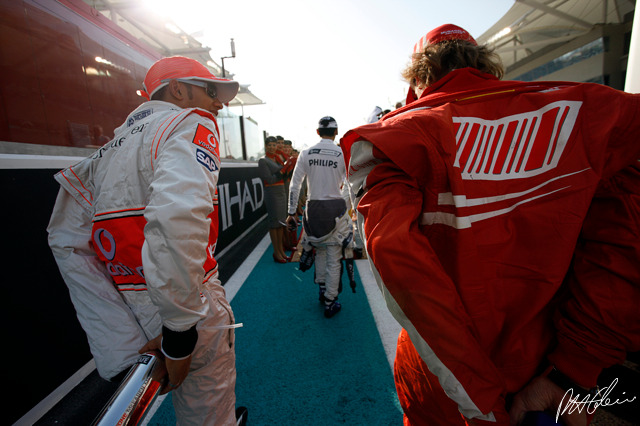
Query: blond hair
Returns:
{"type": "Point", "coordinates": [437, 60]}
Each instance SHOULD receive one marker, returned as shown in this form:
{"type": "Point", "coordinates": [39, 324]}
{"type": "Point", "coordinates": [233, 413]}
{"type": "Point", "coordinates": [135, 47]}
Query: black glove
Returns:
{"type": "Point", "coordinates": [292, 223]}
{"type": "Point", "coordinates": [306, 259]}
{"type": "Point", "coordinates": [351, 274]}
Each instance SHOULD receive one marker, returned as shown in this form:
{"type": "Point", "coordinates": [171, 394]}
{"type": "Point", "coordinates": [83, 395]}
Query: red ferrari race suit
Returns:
{"type": "Point", "coordinates": [501, 220]}
{"type": "Point", "coordinates": [133, 232]}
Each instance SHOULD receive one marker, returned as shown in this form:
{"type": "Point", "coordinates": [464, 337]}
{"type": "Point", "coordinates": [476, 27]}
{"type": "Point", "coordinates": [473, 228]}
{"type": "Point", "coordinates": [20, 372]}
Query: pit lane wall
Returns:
{"type": "Point", "coordinates": [40, 331]}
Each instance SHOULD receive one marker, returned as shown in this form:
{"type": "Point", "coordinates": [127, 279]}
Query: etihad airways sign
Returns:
{"type": "Point", "coordinates": [240, 201]}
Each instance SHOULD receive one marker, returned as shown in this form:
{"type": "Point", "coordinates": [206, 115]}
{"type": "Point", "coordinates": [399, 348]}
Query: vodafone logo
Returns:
{"type": "Point", "coordinates": [106, 244]}
{"type": "Point", "coordinates": [100, 236]}
{"type": "Point", "coordinates": [212, 141]}
{"type": "Point", "coordinates": [205, 138]}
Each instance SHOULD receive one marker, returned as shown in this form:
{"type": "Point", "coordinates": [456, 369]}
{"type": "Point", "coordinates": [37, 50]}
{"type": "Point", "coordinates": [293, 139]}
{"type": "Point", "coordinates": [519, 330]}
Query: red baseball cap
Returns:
{"type": "Point", "coordinates": [443, 33]}
{"type": "Point", "coordinates": [180, 67]}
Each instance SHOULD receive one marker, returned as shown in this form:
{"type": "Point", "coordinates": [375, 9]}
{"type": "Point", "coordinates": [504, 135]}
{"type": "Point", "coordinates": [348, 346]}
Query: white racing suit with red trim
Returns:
{"type": "Point", "coordinates": [501, 220]}
{"type": "Point", "coordinates": [133, 232]}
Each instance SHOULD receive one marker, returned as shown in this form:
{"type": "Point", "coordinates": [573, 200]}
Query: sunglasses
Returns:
{"type": "Point", "coordinates": [210, 88]}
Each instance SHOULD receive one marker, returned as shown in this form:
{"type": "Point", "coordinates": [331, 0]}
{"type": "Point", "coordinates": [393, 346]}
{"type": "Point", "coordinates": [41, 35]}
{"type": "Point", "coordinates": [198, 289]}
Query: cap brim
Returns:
{"type": "Point", "coordinates": [226, 89]}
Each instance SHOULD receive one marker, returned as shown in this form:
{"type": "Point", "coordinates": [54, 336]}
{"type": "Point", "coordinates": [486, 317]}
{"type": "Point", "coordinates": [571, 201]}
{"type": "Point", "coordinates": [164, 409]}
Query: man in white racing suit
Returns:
{"type": "Point", "coordinates": [326, 220]}
{"type": "Point", "coordinates": [133, 233]}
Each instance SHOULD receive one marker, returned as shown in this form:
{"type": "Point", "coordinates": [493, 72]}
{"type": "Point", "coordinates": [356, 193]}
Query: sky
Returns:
{"type": "Point", "coordinates": [308, 59]}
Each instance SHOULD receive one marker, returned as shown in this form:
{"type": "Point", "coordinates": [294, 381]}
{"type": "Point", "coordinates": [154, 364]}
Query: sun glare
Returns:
{"type": "Point", "coordinates": [169, 10]}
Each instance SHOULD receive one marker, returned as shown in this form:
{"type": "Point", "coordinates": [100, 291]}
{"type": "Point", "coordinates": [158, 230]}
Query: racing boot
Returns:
{"type": "Point", "coordinates": [331, 308]}
{"type": "Point", "coordinates": [241, 416]}
{"type": "Point", "coordinates": [351, 274]}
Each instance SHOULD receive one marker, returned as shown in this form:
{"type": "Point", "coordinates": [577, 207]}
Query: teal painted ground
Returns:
{"type": "Point", "coordinates": [296, 367]}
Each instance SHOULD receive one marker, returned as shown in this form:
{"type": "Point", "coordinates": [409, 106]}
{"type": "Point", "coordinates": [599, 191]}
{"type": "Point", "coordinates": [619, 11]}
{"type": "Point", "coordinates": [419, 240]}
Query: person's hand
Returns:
{"type": "Point", "coordinates": [292, 223]}
{"type": "Point", "coordinates": [544, 395]}
{"type": "Point", "coordinates": [152, 345]}
{"type": "Point", "coordinates": [177, 370]}
{"type": "Point", "coordinates": [288, 165]}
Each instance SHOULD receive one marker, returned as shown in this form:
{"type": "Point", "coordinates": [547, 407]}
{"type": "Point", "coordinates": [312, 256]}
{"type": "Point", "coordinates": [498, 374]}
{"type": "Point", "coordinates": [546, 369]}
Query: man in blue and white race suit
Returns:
{"type": "Point", "coordinates": [326, 222]}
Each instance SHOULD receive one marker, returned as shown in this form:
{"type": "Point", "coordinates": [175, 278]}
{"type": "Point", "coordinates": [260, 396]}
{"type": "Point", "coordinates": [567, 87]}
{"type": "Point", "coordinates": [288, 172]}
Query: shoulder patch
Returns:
{"type": "Point", "coordinates": [139, 116]}
{"type": "Point", "coordinates": [206, 160]}
{"type": "Point", "coordinates": [205, 138]}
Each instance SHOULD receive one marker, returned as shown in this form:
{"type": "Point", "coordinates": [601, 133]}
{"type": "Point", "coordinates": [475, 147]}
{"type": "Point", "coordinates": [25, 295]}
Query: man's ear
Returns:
{"type": "Point", "coordinates": [176, 89]}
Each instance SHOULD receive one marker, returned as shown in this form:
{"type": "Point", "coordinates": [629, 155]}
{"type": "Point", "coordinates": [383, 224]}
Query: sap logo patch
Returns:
{"type": "Point", "coordinates": [206, 160]}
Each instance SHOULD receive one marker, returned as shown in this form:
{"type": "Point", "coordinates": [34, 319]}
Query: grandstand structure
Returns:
{"type": "Point", "coordinates": [571, 40]}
